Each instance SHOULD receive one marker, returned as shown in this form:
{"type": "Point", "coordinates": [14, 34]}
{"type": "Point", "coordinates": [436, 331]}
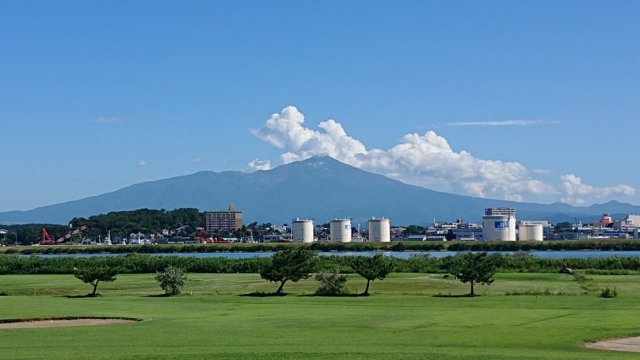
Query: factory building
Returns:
{"type": "Point", "coordinates": [628, 223]}
{"type": "Point", "coordinates": [530, 232]}
{"type": "Point", "coordinates": [379, 230]}
{"type": "Point", "coordinates": [499, 224]}
{"type": "Point", "coordinates": [340, 230]}
{"type": "Point", "coordinates": [302, 231]}
{"type": "Point", "coordinates": [223, 220]}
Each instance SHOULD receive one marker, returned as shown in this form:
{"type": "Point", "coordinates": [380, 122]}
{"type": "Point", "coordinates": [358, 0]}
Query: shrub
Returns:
{"type": "Point", "coordinates": [608, 293]}
{"type": "Point", "coordinates": [4, 293]}
{"type": "Point", "coordinates": [171, 280]}
{"type": "Point", "coordinates": [331, 283]}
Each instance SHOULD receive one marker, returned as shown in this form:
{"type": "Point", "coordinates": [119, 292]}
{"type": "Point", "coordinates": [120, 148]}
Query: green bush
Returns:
{"type": "Point", "coordinates": [608, 293]}
{"type": "Point", "coordinates": [171, 280]}
{"type": "Point", "coordinates": [331, 283]}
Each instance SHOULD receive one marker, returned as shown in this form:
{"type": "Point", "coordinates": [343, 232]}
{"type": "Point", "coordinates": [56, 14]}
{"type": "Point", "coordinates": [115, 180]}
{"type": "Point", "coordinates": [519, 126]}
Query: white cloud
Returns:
{"type": "Point", "coordinates": [107, 120]}
{"type": "Point", "coordinates": [424, 160]}
{"type": "Point", "coordinates": [197, 160]}
{"type": "Point", "coordinates": [141, 163]}
{"type": "Point", "coordinates": [575, 192]}
{"type": "Point", "coordinates": [504, 123]}
{"type": "Point", "coordinates": [542, 171]}
{"type": "Point", "coordinates": [256, 165]}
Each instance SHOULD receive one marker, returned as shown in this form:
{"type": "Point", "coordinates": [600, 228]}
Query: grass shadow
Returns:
{"type": "Point", "coordinates": [455, 296]}
{"type": "Point", "coordinates": [336, 295]}
{"type": "Point", "coordinates": [263, 294]}
{"type": "Point", "coordinates": [81, 296]}
{"type": "Point", "coordinates": [157, 295]}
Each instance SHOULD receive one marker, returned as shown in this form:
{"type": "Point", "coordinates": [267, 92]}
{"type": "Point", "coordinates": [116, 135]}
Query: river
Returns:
{"type": "Point", "coordinates": [397, 254]}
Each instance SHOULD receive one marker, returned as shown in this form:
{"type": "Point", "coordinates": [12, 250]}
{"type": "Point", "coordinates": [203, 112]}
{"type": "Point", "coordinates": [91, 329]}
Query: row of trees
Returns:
{"type": "Point", "coordinates": [141, 264]}
{"type": "Point", "coordinates": [171, 279]}
{"type": "Point", "coordinates": [299, 263]}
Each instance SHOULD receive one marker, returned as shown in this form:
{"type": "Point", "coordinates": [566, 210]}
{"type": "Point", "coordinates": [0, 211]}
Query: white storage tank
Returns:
{"type": "Point", "coordinates": [530, 232]}
{"type": "Point", "coordinates": [302, 231]}
{"type": "Point", "coordinates": [499, 227]}
{"type": "Point", "coordinates": [379, 230]}
{"type": "Point", "coordinates": [340, 230]}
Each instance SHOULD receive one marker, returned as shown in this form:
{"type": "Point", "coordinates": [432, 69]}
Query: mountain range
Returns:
{"type": "Point", "coordinates": [319, 188]}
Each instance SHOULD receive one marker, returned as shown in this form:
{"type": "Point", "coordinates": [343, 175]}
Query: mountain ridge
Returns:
{"type": "Point", "coordinates": [318, 188]}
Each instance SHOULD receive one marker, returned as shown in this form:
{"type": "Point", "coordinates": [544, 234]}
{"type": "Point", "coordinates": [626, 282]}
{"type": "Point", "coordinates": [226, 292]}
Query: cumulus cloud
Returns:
{"type": "Point", "coordinates": [504, 123]}
{"type": "Point", "coordinates": [574, 191]}
{"type": "Point", "coordinates": [425, 160]}
{"type": "Point", "coordinates": [107, 120]}
{"type": "Point", "coordinates": [256, 165]}
{"type": "Point", "coordinates": [141, 163]}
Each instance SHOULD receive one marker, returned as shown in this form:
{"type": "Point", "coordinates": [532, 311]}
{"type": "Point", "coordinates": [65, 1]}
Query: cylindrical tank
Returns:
{"type": "Point", "coordinates": [379, 230]}
{"type": "Point", "coordinates": [302, 231]}
{"type": "Point", "coordinates": [340, 230]}
{"type": "Point", "coordinates": [499, 227]}
{"type": "Point", "coordinates": [530, 232]}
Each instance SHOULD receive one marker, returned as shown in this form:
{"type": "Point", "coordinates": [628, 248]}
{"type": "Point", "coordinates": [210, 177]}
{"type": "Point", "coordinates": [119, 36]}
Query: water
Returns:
{"type": "Point", "coordinates": [397, 254]}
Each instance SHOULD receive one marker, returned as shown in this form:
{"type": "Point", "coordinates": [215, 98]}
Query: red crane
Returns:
{"type": "Point", "coordinates": [48, 240]}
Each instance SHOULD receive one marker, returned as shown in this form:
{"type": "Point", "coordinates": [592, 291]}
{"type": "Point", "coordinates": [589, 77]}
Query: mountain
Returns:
{"type": "Point", "coordinates": [319, 188]}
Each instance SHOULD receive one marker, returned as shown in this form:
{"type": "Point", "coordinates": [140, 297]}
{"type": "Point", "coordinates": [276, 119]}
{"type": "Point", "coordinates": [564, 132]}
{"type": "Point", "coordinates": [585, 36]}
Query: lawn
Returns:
{"type": "Point", "coordinates": [402, 319]}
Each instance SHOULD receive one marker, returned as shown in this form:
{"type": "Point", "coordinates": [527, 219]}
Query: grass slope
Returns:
{"type": "Point", "coordinates": [399, 321]}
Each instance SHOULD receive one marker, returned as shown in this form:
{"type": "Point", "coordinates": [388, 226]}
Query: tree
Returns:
{"type": "Point", "coordinates": [292, 264]}
{"type": "Point", "coordinates": [172, 279]}
{"type": "Point", "coordinates": [94, 275]}
{"type": "Point", "coordinates": [331, 283]}
{"type": "Point", "coordinates": [473, 268]}
{"type": "Point", "coordinates": [371, 268]}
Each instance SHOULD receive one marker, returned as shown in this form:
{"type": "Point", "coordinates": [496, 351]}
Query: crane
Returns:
{"type": "Point", "coordinates": [48, 240]}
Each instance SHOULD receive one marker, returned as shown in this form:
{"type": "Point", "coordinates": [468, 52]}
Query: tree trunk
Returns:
{"type": "Point", "coordinates": [366, 290]}
{"type": "Point", "coordinates": [279, 291]}
{"type": "Point", "coordinates": [472, 294]}
{"type": "Point", "coordinates": [95, 287]}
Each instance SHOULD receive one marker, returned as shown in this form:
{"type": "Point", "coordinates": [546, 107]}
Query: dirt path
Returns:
{"type": "Point", "coordinates": [60, 323]}
{"type": "Point", "coordinates": [627, 344]}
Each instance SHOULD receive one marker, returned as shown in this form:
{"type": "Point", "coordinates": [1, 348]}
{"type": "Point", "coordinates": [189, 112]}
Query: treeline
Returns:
{"type": "Point", "coordinates": [146, 221]}
{"type": "Point", "coordinates": [119, 223]}
{"type": "Point", "coordinates": [138, 264]}
{"type": "Point", "coordinates": [611, 245]}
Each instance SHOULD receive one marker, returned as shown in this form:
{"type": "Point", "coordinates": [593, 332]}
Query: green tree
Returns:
{"type": "Point", "coordinates": [172, 279]}
{"type": "Point", "coordinates": [371, 268]}
{"type": "Point", "coordinates": [292, 264]}
{"type": "Point", "coordinates": [473, 268]}
{"type": "Point", "coordinates": [94, 275]}
{"type": "Point", "coordinates": [563, 226]}
{"type": "Point", "coordinates": [331, 283]}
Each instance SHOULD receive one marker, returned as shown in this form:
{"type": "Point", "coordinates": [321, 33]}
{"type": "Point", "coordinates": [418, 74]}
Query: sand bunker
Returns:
{"type": "Point", "coordinates": [627, 344]}
{"type": "Point", "coordinates": [61, 323]}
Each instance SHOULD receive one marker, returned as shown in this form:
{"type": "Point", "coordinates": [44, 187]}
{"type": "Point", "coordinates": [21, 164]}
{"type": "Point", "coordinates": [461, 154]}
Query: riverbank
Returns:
{"type": "Point", "coordinates": [567, 245]}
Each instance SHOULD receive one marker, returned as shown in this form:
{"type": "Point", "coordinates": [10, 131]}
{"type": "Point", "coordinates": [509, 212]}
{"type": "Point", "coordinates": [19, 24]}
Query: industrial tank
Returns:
{"type": "Point", "coordinates": [499, 227]}
{"type": "Point", "coordinates": [302, 231]}
{"type": "Point", "coordinates": [340, 230]}
{"type": "Point", "coordinates": [379, 230]}
{"type": "Point", "coordinates": [530, 232]}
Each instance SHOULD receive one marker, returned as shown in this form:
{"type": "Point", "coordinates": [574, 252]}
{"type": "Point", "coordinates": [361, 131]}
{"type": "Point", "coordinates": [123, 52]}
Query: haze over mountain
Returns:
{"type": "Point", "coordinates": [319, 188]}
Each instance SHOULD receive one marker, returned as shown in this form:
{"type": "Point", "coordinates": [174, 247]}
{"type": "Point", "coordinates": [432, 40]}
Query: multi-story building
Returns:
{"type": "Point", "coordinates": [506, 211]}
{"type": "Point", "coordinates": [223, 220]}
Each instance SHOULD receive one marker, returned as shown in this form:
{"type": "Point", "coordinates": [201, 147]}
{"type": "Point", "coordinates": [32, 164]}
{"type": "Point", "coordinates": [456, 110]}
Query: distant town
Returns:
{"type": "Point", "coordinates": [226, 226]}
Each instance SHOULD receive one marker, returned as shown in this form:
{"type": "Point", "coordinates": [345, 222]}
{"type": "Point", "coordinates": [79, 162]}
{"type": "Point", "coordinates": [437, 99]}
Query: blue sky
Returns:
{"type": "Point", "coordinates": [95, 96]}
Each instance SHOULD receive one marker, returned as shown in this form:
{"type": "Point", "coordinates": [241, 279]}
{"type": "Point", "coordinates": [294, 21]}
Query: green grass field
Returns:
{"type": "Point", "coordinates": [402, 319]}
